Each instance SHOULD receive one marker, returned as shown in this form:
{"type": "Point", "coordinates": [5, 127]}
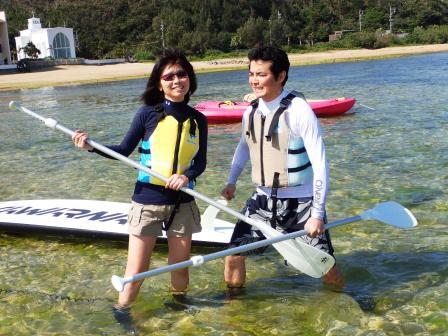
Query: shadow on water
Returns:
{"type": "Point", "coordinates": [63, 238]}
{"type": "Point", "coordinates": [384, 281]}
{"type": "Point", "coordinates": [372, 278]}
{"type": "Point", "coordinates": [376, 284]}
{"type": "Point", "coordinates": [52, 297]}
{"type": "Point", "coordinates": [100, 241]}
{"type": "Point", "coordinates": [376, 281]}
{"type": "Point", "coordinates": [366, 274]}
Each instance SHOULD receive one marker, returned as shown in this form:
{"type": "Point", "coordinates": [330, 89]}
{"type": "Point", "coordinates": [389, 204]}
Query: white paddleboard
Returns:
{"type": "Point", "coordinates": [94, 218]}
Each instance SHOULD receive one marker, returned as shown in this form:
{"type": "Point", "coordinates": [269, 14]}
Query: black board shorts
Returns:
{"type": "Point", "coordinates": [292, 215]}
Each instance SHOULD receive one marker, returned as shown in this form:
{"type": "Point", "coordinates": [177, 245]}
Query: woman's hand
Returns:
{"type": "Point", "coordinates": [79, 140]}
{"type": "Point", "coordinates": [176, 182]}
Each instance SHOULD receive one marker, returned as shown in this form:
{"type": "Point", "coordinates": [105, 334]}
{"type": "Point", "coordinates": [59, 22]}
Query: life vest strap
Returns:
{"type": "Point", "coordinates": [193, 126]}
{"type": "Point", "coordinates": [251, 132]}
{"type": "Point", "coordinates": [284, 103]}
{"type": "Point", "coordinates": [300, 168]}
{"type": "Point", "coordinates": [275, 184]}
{"type": "Point", "coordinates": [166, 226]}
{"type": "Point", "coordinates": [144, 151]}
{"type": "Point", "coordinates": [297, 151]}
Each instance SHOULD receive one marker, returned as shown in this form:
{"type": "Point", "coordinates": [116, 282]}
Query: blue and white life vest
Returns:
{"type": "Point", "coordinates": [274, 149]}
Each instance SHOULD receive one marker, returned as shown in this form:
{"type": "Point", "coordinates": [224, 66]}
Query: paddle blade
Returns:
{"type": "Point", "coordinates": [209, 215]}
{"type": "Point", "coordinates": [391, 213]}
{"type": "Point", "coordinates": [12, 105]}
{"type": "Point", "coordinates": [306, 258]}
{"type": "Point", "coordinates": [118, 283]}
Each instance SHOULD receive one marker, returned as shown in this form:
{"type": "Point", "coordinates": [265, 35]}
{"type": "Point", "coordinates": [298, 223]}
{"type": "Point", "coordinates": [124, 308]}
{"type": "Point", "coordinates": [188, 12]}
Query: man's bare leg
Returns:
{"type": "Point", "coordinates": [235, 271]}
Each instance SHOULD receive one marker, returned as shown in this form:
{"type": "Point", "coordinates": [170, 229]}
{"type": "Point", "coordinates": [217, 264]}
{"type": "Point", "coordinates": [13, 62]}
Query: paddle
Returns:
{"type": "Point", "coordinates": [367, 107]}
{"type": "Point", "coordinates": [209, 215]}
{"type": "Point", "coordinates": [306, 258]}
{"type": "Point", "coordinates": [390, 213]}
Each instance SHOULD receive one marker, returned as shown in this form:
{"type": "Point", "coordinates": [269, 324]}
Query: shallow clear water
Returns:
{"type": "Point", "coordinates": [396, 280]}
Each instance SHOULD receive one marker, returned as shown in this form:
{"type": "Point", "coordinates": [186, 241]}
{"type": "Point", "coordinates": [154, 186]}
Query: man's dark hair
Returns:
{"type": "Point", "coordinates": [152, 94]}
{"type": "Point", "coordinates": [275, 55]}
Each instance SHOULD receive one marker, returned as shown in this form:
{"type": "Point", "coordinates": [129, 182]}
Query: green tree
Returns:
{"type": "Point", "coordinates": [252, 33]}
{"type": "Point", "coordinates": [374, 19]}
{"type": "Point", "coordinates": [110, 27]}
{"type": "Point", "coordinates": [31, 50]}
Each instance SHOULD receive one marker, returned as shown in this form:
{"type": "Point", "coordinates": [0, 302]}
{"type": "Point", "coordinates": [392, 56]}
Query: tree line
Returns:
{"type": "Point", "coordinates": [115, 28]}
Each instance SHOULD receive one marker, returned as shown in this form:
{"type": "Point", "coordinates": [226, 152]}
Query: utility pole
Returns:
{"type": "Point", "coordinates": [75, 33]}
{"type": "Point", "coordinates": [392, 11]}
{"type": "Point", "coordinates": [360, 13]}
{"type": "Point", "coordinates": [279, 17]}
{"type": "Point", "coordinates": [163, 37]}
{"type": "Point", "coordinates": [270, 33]}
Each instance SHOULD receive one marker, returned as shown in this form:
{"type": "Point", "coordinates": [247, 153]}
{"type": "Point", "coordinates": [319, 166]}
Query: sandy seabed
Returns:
{"type": "Point", "coordinates": [80, 74]}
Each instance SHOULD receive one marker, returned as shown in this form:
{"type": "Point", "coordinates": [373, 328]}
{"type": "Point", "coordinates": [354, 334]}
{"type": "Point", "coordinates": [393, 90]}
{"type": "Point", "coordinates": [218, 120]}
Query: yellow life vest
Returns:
{"type": "Point", "coordinates": [170, 149]}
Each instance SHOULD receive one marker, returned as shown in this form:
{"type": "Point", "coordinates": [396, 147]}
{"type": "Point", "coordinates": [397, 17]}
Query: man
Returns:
{"type": "Point", "coordinates": [282, 138]}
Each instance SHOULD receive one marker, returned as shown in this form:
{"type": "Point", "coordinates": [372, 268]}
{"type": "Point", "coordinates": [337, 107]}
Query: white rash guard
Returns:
{"type": "Point", "coordinates": [302, 122]}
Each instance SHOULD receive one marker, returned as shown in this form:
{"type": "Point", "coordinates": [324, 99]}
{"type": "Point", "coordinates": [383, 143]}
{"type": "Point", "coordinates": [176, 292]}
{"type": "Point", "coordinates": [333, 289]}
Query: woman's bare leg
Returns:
{"type": "Point", "coordinates": [179, 250]}
{"type": "Point", "coordinates": [139, 256]}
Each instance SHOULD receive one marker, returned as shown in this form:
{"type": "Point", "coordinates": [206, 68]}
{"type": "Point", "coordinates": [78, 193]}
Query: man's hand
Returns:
{"type": "Point", "coordinates": [314, 227]}
{"type": "Point", "coordinates": [229, 192]}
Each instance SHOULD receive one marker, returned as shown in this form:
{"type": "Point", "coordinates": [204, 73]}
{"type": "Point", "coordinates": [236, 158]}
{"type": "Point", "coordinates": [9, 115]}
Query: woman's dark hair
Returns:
{"type": "Point", "coordinates": [152, 94]}
{"type": "Point", "coordinates": [275, 55]}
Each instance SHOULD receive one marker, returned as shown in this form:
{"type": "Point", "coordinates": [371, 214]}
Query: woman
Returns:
{"type": "Point", "coordinates": [173, 142]}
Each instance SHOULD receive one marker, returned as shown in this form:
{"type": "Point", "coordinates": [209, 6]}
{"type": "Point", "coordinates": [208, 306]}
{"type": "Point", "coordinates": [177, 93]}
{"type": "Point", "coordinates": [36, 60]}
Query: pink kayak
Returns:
{"type": "Point", "coordinates": [221, 112]}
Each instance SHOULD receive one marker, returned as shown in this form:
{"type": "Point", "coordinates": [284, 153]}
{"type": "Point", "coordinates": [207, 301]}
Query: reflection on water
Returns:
{"type": "Point", "coordinates": [396, 280]}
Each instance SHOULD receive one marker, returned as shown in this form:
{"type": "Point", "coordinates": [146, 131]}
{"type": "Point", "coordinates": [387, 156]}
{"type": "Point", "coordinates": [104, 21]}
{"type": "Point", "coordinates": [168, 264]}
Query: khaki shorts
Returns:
{"type": "Point", "coordinates": [147, 220]}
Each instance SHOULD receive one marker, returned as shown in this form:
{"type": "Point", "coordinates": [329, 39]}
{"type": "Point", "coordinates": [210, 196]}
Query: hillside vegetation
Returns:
{"type": "Point", "coordinates": [209, 28]}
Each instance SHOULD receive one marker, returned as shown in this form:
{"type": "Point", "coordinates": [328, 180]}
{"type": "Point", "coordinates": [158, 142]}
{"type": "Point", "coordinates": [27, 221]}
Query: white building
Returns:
{"type": "Point", "coordinates": [5, 54]}
{"type": "Point", "coordinates": [52, 42]}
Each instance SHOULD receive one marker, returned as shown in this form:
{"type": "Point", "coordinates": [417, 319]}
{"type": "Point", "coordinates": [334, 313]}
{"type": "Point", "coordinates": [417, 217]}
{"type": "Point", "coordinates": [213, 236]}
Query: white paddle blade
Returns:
{"type": "Point", "coordinates": [391, 213]}
{"type": "Point", "coordinates": [118, 282]}
{"type": "Point", "coordinates": [306, 258]}
{"type": "Point", "coordinates": [209, 215]}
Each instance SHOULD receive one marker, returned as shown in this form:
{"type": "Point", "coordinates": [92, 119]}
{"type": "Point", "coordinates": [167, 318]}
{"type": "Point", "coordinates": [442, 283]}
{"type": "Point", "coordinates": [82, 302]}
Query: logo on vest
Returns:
{"type": "Point", "coordinates": [192, 139]}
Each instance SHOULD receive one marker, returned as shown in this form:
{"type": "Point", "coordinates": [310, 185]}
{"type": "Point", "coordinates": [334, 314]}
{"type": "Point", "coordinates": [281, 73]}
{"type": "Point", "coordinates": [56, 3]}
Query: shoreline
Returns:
{"type": "Point", "coordinates": [94, 74]}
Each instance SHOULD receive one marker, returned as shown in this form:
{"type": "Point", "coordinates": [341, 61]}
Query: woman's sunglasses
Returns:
{"type": "Point", "coordinates": [170, 76]}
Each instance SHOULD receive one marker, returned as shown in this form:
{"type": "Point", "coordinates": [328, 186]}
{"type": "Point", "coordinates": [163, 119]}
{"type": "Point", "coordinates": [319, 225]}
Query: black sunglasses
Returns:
{"type": "Point", "coordinates": [170, 76]}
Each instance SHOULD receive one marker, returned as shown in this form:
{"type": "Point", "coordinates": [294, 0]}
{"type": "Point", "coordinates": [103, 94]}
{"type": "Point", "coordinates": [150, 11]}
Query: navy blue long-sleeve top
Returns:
{"type": "Point", "coordinates": [142, 126]}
